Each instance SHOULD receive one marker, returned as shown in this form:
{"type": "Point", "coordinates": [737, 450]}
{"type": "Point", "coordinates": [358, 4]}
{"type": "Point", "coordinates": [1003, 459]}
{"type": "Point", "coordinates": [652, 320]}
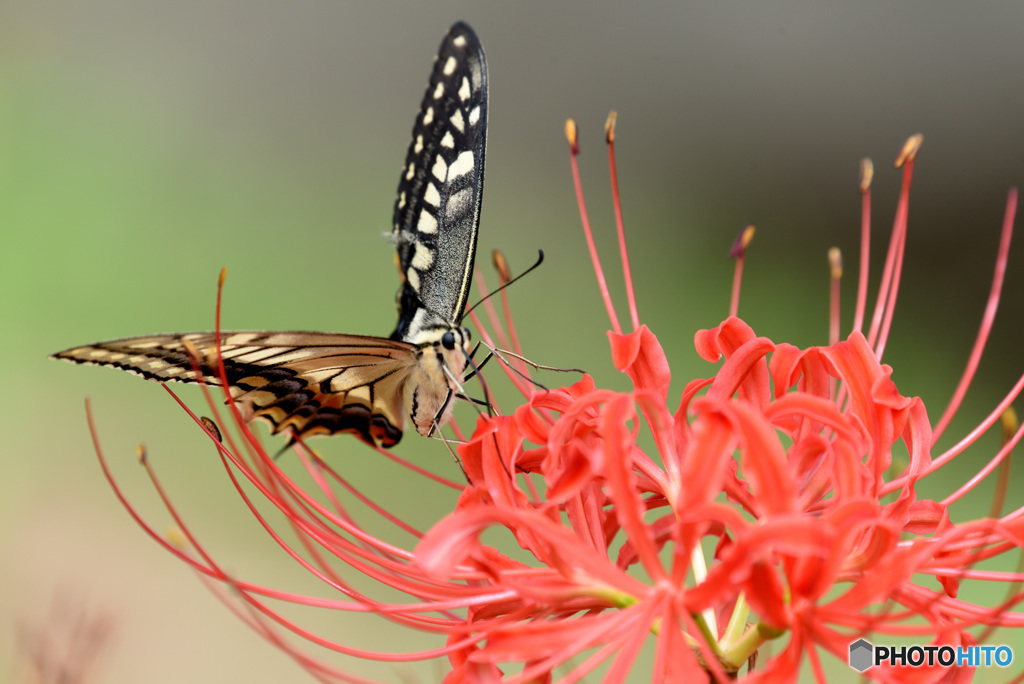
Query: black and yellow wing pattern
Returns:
{"type": "Point", "coordinates": [312, 383]}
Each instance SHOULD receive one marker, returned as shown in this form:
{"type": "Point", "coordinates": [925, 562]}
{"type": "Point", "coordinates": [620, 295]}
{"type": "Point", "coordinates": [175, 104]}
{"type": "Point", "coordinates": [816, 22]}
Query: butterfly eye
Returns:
{"type": "Point", "coordinates": [448, 340]}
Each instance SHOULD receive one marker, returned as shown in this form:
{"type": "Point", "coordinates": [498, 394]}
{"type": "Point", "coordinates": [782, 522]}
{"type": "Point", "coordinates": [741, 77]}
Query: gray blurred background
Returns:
{"type": "Point", "coordinates": [143, 146]}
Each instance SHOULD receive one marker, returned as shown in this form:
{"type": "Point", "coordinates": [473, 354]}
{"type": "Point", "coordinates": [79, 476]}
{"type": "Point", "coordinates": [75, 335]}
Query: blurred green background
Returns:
{"type": "Point", "coordinates": [143, 146]}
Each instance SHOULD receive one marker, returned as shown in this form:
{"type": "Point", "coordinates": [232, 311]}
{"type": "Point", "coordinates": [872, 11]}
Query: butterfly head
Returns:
{"type": "Point", "coordinates": [443, 356]}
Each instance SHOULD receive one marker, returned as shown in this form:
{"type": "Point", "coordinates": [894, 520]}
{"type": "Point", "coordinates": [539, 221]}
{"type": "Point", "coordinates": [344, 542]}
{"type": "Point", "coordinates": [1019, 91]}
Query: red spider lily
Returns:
{"type": "Point", "coordinates": [779, 466]}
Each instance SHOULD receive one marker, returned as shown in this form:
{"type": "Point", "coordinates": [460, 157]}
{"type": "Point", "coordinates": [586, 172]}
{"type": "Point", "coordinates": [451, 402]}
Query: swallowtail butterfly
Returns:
{"type": "Point", "coordinates": [310, 383]}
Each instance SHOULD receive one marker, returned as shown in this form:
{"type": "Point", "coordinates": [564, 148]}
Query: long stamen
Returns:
{"type": "Point", "coordinates": [1002, 256]}
{"type": "Point", "coordinates": [885, 307]}
{"type": "Point", "coordinates": [835, 264]}
{"type": "Point", "coordinates": [966, 441]}
{"type": "Point", "coordinates": [609, 136]}
{"type": "Point", "coordinates": [739, 252]}
{"type": "Point", "coordinates": [994, 462]}
{"type": "Point", "coordinates": [867, 172]}
{"type": "Point", "coordinates": [602, 284]}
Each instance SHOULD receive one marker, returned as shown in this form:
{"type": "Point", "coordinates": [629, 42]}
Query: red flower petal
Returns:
{"type": "Point", "coordinates": [640, 356]}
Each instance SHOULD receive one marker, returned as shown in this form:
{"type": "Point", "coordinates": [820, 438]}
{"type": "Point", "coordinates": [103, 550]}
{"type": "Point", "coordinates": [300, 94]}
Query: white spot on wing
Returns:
{"type": "Point", "coordinates": [464, 90]}
{"type": "Point", "coordinates": [440, 169]}
{"type": "Point", "coordinates": [439, 91]}
{"type": "Point", "coordinates": [462, 165]}
{"type": "Point", "coordinates": [428, 116]}
{"type": "Point", "coordinates": [460, 41]}
{"type": "Point", "coordinates": [401, 200]}
{"type": "Point", "coordinates": [431, 196]}
{"type": "Point", "coordinates": [474, 116]}
{"type": "Point", "coordinates": [410, 172]}
{"type": "Point", "coordinates": [423, 258]}
{"type": "Point", "coordinates": [448, 140]}
{"type": "Point", "coordinates": [418, 147]}
{"type": "Point", "coordinates": [449, 66]}
{"type": "Point", "coordinates": [427, 223]}
{"type": "Point", "coordinates": [458, 122]}
{"type": "Point", "coordinates": [458, 205]}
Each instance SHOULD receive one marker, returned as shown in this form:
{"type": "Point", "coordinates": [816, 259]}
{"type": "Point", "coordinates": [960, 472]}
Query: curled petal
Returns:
{"type": "Point", "coordinates": [640, 356]}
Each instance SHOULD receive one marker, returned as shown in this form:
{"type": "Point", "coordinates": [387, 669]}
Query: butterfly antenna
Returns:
{"type": "Point", "coordinates": [497, 353]}
{"type": "Point", "coordinates": [540, 260]}
{"type": "Point", "coordinates": [535, 366]}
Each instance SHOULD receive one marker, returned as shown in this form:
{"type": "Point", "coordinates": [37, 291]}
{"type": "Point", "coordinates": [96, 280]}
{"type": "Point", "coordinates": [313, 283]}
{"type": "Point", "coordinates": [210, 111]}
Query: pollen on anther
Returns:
{"type": "Point", "coordinates": [867, 173]}
{"type": "Point", "coordinates": [501, 265]}
{"type": "Point", "coordinates": [609, 127]}
{"type": "Point", "coordinates": [910, 150]}
{"type": "Point", "coordinates": [743, 241]}
{"type": "Point", "coordinates": [570, 135]}
{"type": "Point", "coordinates": [835, 263]}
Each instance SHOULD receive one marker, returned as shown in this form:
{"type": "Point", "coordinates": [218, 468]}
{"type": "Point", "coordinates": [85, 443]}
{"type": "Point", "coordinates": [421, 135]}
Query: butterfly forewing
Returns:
{"type": "Point", "coordinates": [323, 383]}
{"type": "Point", "coordinates": [311, 383]}
{"type": "Point", "coordinates": [437, 211]}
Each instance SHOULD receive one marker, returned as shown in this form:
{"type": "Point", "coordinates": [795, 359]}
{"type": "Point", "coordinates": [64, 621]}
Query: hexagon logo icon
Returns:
{"type": "Point", "coordinates": [861, 654]}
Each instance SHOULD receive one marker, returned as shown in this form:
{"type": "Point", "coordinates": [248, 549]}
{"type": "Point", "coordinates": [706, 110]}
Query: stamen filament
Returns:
{"type": "Point", "coordinates": [602, 283]}
{"type": "Point", "coordinates": [609, 134]}
{"type": "Point", "coordinates": [885, 306]}
{"type": "Point", "coordinates": [1002, 257]}
{"type": "Point", "coordinates": [867, 172]}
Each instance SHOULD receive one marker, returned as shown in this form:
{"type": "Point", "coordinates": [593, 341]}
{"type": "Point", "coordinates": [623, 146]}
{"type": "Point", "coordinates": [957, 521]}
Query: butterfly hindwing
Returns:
{"type": "Point", "coordinates": [311, 383]}
{"type": "Point", "coordinates": [437, 211]}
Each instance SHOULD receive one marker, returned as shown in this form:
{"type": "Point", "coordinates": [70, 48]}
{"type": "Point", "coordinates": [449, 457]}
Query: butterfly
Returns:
{"type": "Point", "coordinates": [314, 383]}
